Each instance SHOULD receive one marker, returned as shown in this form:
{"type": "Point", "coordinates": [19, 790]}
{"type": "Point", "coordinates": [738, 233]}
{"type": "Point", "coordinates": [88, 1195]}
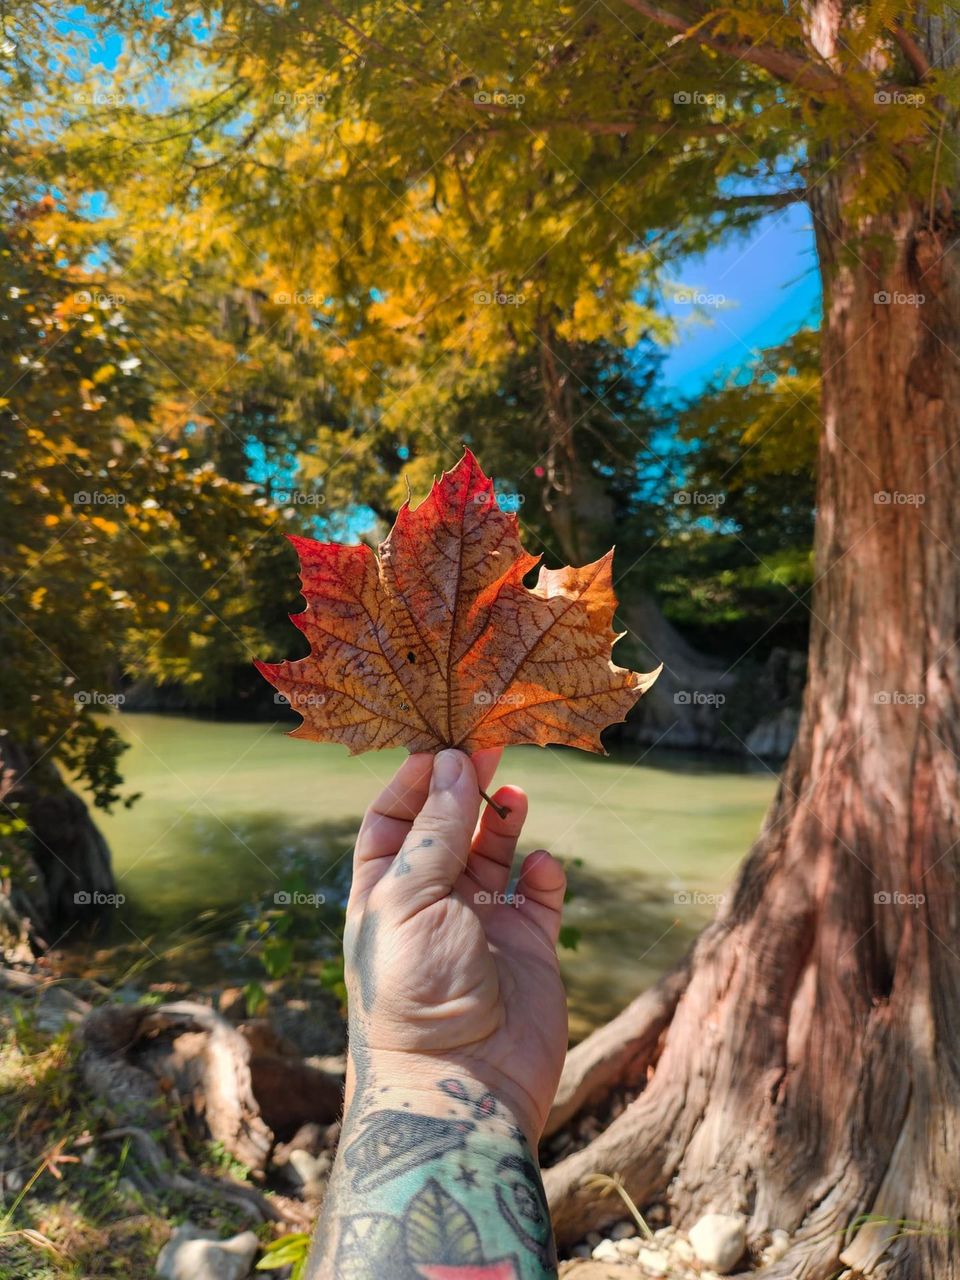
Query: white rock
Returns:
{"type": "Point", "coordinates": [682, 1250]}
{"type": "Point", "coordinates": [629, 1248]}
{"type": "Point", "coordinates": [719, 1240]}
{"type": "Point", "coordinates": [623, 1230]}
{"type": "Point", "coordinates": [653, 1261]}
{"type": "Point", "coordinates": [606, 1251]}
{"type": "Point", "coordinates": [665, 1233]}
{"type": "Point", "coordinates": [192, 1254]}
{"type": "Point", "coordinates": [306, 1170]}
{"type": "Point", "coordinates": [778, 1246]}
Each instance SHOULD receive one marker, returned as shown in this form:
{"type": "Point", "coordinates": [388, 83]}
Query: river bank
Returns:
{"type": "Point", "coordinates": [232, 814]}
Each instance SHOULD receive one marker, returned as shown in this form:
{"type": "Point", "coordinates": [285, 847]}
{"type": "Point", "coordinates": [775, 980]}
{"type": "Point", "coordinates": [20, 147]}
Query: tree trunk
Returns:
{"type": "Point", "coordinates": [70, 879]}
{"type": "Point", "coordinates": [810, 1073]}
{"type": "Point", "coordinates": [679, 710]}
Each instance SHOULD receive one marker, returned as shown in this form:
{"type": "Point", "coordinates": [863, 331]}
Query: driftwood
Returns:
{"type": "Point", "coordinates": [240, 1088]}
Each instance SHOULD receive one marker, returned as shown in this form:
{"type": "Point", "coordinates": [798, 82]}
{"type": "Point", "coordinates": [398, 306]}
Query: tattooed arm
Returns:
{"type": "Point", "coordinates": [457, 1036]}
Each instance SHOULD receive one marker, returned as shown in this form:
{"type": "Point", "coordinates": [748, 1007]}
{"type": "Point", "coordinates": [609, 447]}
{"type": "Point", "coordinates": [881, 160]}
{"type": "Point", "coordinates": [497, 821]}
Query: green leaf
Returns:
{"type": "Point", "coordinates": [569, 937]}
{"type": "Point", "coordinates": [288, 1251]}
{"type": "Point", "coordinates": [277, 956]}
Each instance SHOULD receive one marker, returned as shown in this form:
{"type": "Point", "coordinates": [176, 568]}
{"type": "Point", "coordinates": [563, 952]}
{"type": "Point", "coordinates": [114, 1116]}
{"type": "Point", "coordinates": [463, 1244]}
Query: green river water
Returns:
{"type": "Point", "coordinates": [232, 813]}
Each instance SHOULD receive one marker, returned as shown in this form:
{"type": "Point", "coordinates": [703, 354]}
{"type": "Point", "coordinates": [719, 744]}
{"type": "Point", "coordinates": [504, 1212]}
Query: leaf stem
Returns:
{"type": "Point", "coordinates": [501, 810]}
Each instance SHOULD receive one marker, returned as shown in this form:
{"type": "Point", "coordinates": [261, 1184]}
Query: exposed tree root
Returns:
{"type": "Point", "coordinates": [161, 1176]}
{"type": "Point", "coordinates": [619, 1052]}
{"type": "Point", "coordinates": [233, 1085]}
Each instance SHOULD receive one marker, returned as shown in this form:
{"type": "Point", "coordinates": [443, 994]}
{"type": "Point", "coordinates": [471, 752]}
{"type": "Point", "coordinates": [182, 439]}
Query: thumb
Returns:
{"type": "Point", "coordinates": [436, 849]}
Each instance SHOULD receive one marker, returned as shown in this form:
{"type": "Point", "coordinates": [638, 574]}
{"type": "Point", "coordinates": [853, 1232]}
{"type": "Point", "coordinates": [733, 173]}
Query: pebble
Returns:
{"type": "Point", "coordinates": [309, 1169]}
{"type": "Point", "coordinates": [778, 1246]}
{"type": "Point", "coordinates": [593, 1238]}
{"type": "Point", "coordinates": [683, 1250]}
{"type": "Point", "coordinates": [719, 1240]}
{"type": "Point", "coordinates": [653, 1261]}
{"type": "Point", "coordinates": [623, 1230]}
{"type": "Point", "coordinates": [629, 1248]}
{"type": "Point", "coordinates": [606, 1251]}
{"type": "Point", "coordinates": [192, 1254]}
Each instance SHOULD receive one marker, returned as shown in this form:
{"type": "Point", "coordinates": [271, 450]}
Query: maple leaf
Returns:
{"type": "Point", "coordinates": [436, 642]}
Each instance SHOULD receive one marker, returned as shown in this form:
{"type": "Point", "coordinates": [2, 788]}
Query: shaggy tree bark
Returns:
{"type": "Point", "coordinates": [810, 1073]}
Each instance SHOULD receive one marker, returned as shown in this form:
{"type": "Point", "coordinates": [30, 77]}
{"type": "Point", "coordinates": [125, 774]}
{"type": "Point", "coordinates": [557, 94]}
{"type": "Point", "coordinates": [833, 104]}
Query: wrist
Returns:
{"type": "Point", "coordinates": [448, 1086]}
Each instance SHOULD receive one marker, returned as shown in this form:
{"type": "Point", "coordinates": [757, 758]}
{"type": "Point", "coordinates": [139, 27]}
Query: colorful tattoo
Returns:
{"type": "Point", "coordinates": [449, 1194]}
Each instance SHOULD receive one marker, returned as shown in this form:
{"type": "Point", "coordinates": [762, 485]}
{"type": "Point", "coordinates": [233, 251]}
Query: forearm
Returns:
{"type": "Point", "coordinates": [433, 1182]}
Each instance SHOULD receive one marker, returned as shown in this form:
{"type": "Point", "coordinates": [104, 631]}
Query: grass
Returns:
{"type": "Point", "coordinates": [76, 1209]}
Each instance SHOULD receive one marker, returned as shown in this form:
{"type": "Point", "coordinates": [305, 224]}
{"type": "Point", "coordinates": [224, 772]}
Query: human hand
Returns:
{"type": "Point", "coordinates": [443, 968]}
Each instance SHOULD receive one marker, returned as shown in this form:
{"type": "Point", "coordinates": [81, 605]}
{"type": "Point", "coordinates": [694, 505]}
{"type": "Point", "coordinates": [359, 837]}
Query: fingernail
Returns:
{"type": "Point", "coordinates": [447, 767]}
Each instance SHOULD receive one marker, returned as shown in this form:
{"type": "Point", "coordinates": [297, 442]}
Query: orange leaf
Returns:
{"type": "Point", "coordinates": [436, 642]}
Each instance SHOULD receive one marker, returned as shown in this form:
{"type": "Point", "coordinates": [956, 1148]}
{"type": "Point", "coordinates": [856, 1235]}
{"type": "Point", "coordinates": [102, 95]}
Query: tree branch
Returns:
{"type": "Point", "coordinates": [615, 128]}
{"type": "Point", "coordinates": [775, 200]}
{"type": "Point", "coordinates": [911, 51]}
{"type": "Point", "coordinates": [777, 62]}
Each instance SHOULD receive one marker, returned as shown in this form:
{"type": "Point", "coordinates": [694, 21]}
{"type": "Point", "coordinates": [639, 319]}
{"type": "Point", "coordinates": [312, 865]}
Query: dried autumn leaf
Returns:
{"type": "Point", "coordinates": [437, 643]}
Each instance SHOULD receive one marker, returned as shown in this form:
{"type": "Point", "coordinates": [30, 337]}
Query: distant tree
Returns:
{"type": "Point", "coordinates": [738, 565]}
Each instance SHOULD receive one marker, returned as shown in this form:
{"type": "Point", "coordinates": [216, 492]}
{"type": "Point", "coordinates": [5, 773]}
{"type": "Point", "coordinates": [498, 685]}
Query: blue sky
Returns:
{"type": "Point", "coordinates": [770, 288]}
{"type": "Point", "coordinates": [767, 279]}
